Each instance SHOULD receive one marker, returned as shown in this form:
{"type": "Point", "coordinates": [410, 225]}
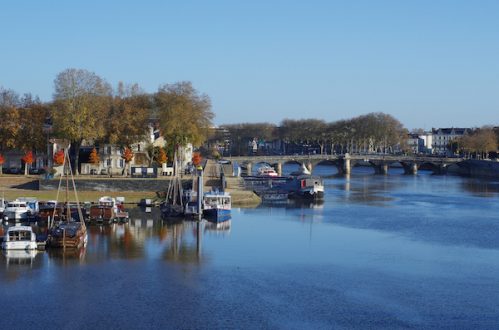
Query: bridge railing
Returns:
{"type": "Point", "coordinates": [366, 157]}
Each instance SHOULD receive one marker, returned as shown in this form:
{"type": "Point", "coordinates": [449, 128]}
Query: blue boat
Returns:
{"type": "Point", "coordinates": [217, 206]}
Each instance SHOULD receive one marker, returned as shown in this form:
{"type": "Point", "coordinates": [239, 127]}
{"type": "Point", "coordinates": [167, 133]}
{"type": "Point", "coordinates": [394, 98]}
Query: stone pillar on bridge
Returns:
{"type": "Point", "coordinates": [344, 165]}
{"type": "Point", "coordinates": [279, 168]}
{"type": "Point", "coordinates": [381, 168]}
{"type": "Point", "coordinates": [309, 167]}
{"type": "Point", "coordinates": [249, 169]}
{"type": "Point", "coordinates": [410, 167]}
{"type": "Point", "coordinates": [440, 169]}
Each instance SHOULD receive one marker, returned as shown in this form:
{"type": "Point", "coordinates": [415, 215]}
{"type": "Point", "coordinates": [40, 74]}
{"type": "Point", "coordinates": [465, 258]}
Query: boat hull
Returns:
{"type": "Point", "coordinates": [72, 235]}
{"type": "Point", "coordinates": [308, 195]}
{"type": "Point", "coordinates": [19, 245]}
{"type": "Point", "coordinates": [218, 215]}
{"type": "Point", "coordinates": [16, 215]}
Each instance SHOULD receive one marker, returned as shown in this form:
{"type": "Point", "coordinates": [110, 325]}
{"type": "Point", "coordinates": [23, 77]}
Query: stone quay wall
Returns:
{"type": "Point", "coordinates": [115, 184]}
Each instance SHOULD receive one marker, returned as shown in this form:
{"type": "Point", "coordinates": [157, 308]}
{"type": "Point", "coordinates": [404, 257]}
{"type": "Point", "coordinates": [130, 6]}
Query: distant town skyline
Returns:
{"type": "Point", "coordinates": [427, 63]}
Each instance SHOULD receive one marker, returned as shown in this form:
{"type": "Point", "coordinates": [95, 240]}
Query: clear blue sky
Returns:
{"type": "Point", "coordinates": [429, 63]}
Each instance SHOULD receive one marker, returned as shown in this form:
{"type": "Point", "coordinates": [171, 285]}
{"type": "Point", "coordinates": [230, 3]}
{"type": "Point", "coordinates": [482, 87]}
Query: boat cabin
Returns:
{"type": "Point", "coordinates": [19, 238]}
{"type": "Point", "coordinates": [216, 200]}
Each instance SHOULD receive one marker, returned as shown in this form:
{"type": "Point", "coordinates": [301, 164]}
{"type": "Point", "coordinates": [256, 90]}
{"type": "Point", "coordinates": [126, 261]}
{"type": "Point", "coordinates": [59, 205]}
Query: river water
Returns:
{"type": "Point", "coordinates": [392, 251]}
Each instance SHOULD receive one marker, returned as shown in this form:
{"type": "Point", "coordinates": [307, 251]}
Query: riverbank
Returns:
{"type": "Point", "coordinates": [12, 186]}
{"type": "Point", "coordinates": [488, 169]}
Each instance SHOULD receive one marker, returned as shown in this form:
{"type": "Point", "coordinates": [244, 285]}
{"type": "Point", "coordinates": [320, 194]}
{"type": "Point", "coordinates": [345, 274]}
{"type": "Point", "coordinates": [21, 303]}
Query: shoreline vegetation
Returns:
{"type": "Point", "coordinates": [86, 111]}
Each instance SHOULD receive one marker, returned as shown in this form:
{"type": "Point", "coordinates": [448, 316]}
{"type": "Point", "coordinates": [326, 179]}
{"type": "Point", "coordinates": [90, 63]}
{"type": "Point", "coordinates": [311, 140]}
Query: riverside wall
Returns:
{"type": "Point", "coordinates": [113, 185]}
{"type": "Point", "coordinates": [477, 169]}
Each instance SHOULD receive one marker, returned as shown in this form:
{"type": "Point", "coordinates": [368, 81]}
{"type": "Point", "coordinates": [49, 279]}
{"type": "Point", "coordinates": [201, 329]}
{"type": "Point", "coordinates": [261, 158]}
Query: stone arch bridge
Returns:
{"type": "Point", "coordinates": [344, 163]}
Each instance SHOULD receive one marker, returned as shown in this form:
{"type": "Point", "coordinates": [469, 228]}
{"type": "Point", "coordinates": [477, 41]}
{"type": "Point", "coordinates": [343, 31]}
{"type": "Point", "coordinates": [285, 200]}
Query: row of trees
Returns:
{"type": "Point", "coordinates": [371, 132]}
{"type": "Point", "coordinates": [86, 108]}
{"type": "Point", "coordinates": [479, 142]}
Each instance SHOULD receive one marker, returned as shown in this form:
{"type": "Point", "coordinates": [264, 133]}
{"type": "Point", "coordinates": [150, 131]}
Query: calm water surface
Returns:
{"type": "Point", "coordinates": [390, 251]}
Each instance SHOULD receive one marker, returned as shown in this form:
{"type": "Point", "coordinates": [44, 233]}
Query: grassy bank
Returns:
{"type": "Point", "coordinates": [19, 186]}
{"type": "Point", "coordinates": [84, 196]}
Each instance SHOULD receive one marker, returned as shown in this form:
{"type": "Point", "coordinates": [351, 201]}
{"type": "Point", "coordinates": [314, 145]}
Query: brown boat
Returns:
{"type": "Point", "coordinates": [102, 213]}
{"type": "Point", "coordinates": [68, 229]}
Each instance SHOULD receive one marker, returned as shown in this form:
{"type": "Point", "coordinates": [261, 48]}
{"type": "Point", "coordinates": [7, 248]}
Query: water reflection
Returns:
{"type": "Point", "coordinates": [365, 189]}
{"type": "Point", "coordinates": [481, 188]}
{"type": "Point", "coordinates": [145, 236]}
{"type": "Point", "coordinates": [67, 257]}
{"type": "Point", "coordinates": [19, 257]}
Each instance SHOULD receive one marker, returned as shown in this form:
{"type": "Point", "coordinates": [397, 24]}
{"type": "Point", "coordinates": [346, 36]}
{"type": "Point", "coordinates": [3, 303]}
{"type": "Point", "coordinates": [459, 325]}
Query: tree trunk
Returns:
{"type": "Point", "coordinates": [124, 173]}
{"type": "Point", "coordinates": [77, 157]}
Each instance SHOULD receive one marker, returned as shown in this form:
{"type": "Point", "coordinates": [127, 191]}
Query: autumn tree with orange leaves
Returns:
{"type": "Point", "coordinates": [94, 157]}
{"type": "Point", "coordinates": [127, 156]}
{"type": "Point", "coordinates": [196, 159]}
{"type": "Point", "coordinates": [59, 157]}
{"type": "Point", "coordinates": [162, 157]}
{"type": "Point", "coordinates": [28, 160]}
{"type": "Point", "coordinates": [2, 161]}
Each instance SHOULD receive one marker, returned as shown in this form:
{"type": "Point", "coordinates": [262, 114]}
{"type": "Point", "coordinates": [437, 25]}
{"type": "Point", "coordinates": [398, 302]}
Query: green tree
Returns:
{"type": "Point", "coordinates": [184, 114]}
{"type": "Point", "coordinates": [128, 119]}
{"type": "Point", "coordinates": [241, 134]}
{"type": "Point", "coordinates": [10, 116]}
{"type": "Point", "coordinates": [32, 116]}
{"type": "Point", "coordinates": [81, 103]}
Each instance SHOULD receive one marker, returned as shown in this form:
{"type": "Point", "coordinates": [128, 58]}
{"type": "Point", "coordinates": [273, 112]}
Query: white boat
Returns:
{"type": "Point", "coordinates": [31, 202]}
{"type": "Point", "coordinates": [20, 238]}
{"type": "Point", "coordinates": [2, 206]}
{"type": "Point", "coordinates": [217, 205]}
{"type": "Point", "coordinates": [266, 171]}
{"type": "Point", "coordinates": [16, 210]}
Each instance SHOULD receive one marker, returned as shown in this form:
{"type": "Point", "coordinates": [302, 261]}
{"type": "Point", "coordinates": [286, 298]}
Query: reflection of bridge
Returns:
{"type": "Point", "coordinates": [344, 163]}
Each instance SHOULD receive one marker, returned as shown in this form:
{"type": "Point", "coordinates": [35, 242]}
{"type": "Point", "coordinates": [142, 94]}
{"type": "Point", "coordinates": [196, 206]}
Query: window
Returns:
{"type": "Point", "coordinates": [122, 163]}
{"type": "Point", "coordinates": [108, 162]}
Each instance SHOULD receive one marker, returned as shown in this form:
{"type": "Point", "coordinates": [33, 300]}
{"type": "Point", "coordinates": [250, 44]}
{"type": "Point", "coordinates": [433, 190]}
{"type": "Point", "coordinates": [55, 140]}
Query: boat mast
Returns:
{"type": "Point", "coordinates": [68, 165]}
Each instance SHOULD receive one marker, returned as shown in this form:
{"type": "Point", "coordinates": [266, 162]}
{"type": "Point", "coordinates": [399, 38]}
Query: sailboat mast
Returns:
{"type": "Point", "coordinates": [66, 156]}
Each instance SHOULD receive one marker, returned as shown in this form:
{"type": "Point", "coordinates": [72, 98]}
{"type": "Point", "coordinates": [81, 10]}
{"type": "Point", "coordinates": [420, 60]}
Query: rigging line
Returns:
{"type": "Point", "coordinates": [80, 214]}
{"type": "Point", "coordinates": [57, 195]}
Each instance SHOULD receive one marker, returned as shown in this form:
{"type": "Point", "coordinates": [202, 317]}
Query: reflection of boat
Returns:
{"type": "Point", "coordinates": [217, 205]}
{"type": "Point", "coordinates": [214, 226]}
{"type": "Point", "coordinates": [18, 255]}
{"type": "Point", "coordinates": [274, 196]}
{"type": "Point", "coordinates": [19, 238]}
{"type": "Point", "coordinates": [266, 171]}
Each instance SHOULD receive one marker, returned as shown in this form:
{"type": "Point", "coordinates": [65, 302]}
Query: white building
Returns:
{"type": "Point", "coordinates": [427, 142]}
{"type": "Point", "coordinates": [442, 138]}
{"type": "Point", "coordinates": [415, 143]}
{"type": "Point", "coordinates": [111, 161]}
